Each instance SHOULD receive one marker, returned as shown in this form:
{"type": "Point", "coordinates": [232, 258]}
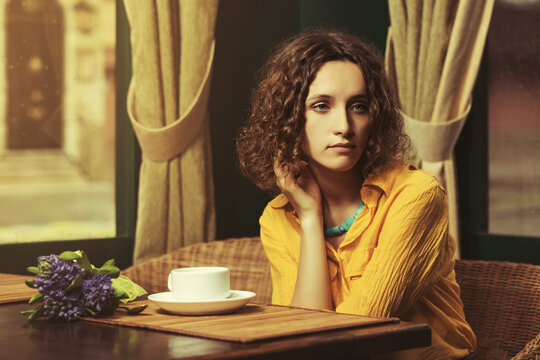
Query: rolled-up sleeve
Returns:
{"type": "Point", "coordinates": [412, 250]}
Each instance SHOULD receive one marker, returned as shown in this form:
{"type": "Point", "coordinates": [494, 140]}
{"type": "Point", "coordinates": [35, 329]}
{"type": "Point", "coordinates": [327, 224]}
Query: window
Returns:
{"type": "Point", "coordinates": [514, 119]}
{"type": "Point", "coordinates": [498, 153]}
{"type": "Point", "coordinates": [67, 152]}
{"type": "Point", "coordinates": [57, 178]}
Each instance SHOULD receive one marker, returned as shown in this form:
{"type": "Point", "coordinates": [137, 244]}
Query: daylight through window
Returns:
{"type": "Point", "coordinates": [57, 120]}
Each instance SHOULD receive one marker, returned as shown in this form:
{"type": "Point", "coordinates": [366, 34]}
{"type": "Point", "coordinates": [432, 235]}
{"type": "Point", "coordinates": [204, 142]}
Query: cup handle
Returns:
{"type": "Point", "coordinates": [169, 283]}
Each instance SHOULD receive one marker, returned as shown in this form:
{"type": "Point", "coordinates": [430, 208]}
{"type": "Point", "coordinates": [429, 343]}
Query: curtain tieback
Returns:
{"type": "Point", "coordinates": [435, 141]}
{"type": "Point", "coordinates": [167, 142]}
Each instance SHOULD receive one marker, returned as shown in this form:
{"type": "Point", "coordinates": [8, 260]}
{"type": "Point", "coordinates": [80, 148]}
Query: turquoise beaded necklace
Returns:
{"type": "Point", "coordinates": [345, 226]}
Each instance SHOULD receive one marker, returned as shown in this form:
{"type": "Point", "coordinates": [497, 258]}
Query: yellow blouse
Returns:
{"type": "Point", "coordinates": [397, 259]}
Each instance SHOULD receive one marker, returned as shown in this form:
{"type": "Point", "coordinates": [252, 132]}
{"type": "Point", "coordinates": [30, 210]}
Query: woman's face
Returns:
{"type": "Point", "coordinates": [337, 119]}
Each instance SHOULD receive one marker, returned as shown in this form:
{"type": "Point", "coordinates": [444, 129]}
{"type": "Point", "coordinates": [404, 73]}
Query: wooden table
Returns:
{"type": "Point", "coordinates": [43, 340]}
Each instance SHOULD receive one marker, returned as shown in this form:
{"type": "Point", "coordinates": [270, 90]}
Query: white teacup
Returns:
{"type": "Point", "coordinates": [200, 283]}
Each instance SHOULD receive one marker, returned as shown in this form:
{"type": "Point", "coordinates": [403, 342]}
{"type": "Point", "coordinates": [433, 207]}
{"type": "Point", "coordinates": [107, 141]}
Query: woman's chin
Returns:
{"type": "Point", "coordinates": [337, 167]}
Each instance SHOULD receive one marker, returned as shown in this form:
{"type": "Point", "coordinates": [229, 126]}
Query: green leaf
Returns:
{"type": "Point", "coordinates": [110, 270]}
{"type": "Point", "coordinates": [76, 283]}
{"type": "Point", "coordinates": [109, 262]}
{"type": "Point", "coordinates": [34, 313]}
{"type": "Point", "coordinates": [37, 313]}
{"type": "Point", "coordinates": [85, 262]}
{"type": "Point", "coordinates": [33, 269]}
{"type": "Point", "coordinates": [119, 293]}
{"type": "Point", "coordinates": [131, 290]}
{"type": "Point", "coordinates": [94, 271]}
{"type": "Point", "coordinates": [93, 313]}
{"type": "Point", "coordinates": [70, 255]}
{"type": "Point", "coordinates": [37, 297]}
{"type": "Point", "coordinates": [29, 283]}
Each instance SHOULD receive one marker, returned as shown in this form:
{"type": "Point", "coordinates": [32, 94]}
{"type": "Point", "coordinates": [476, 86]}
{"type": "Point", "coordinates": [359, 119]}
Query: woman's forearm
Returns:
{"type": "Point", "coordinates": [312, 288]}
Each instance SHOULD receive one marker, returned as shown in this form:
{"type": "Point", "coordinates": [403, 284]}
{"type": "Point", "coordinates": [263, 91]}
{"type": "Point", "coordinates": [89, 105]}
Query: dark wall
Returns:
{"type": "Point", "coordinates": [367, 19]}
{"type": "Point", "coordinates": [246, 32]}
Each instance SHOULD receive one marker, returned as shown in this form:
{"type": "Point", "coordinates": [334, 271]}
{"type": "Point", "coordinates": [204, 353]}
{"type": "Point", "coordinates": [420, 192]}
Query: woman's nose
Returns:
{"type": "Point", "coordinates": [342, 124]}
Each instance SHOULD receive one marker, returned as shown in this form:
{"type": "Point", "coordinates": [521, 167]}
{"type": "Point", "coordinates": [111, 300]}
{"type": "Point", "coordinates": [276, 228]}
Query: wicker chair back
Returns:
{"type": "Point", "coordinates": [502, 303]}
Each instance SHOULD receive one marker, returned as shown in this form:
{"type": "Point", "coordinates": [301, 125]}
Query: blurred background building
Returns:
{"type": "Point", "coordinates": [57, 119]}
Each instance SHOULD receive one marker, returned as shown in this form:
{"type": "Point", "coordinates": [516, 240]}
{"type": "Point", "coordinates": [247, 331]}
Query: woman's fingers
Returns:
{"type": "Point", "coordinates": [282, 175]}
{"type": "Point", "coordinates": [305, 172]}
{"type": "Point", "coordinates": [286, 180]}
{"type": "Point", "coordinates": [303, 192]}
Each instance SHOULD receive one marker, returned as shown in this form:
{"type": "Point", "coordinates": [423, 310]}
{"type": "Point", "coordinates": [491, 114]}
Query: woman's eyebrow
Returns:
{"type": "Point", "coordinates": [319, 97]}
{"type": "Point", "coordinates": [361, 96]}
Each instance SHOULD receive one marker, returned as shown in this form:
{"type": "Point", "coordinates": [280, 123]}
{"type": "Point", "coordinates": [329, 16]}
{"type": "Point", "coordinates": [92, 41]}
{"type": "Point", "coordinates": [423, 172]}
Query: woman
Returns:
{"type": "Point", "coordinates": [355, 229]}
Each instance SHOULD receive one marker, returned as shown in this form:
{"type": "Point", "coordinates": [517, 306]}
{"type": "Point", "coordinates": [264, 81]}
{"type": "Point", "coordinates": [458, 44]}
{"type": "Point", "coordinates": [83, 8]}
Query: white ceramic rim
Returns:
{"type": "Point", "coordinates": [201, 269]}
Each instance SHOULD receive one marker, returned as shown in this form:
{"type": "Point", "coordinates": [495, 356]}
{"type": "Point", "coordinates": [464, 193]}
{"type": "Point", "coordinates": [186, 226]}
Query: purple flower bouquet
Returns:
{"type": "Point", "coordinates": [70, 287]}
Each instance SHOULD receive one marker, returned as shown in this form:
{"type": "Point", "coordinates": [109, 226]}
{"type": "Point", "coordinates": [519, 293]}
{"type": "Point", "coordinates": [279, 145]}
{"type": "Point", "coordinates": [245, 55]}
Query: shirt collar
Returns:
{"type": "Point", "coordinates": [384, 179]}
{"type": "Point", "coordinates": [377, 183]}
{"type": "Point", "coordinates": [279, 201]}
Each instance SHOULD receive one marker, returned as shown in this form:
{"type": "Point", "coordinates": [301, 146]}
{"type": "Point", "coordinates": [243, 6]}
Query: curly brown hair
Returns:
{"type": "Point", "coordinates": [275, 126]}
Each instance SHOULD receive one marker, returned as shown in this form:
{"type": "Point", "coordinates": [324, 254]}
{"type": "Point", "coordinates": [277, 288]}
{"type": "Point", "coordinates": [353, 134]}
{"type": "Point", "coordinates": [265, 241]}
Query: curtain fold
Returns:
{"type": "Point", "coordinates": [172, 53]}
{"type": "Point", "coordinates": [433, 54]}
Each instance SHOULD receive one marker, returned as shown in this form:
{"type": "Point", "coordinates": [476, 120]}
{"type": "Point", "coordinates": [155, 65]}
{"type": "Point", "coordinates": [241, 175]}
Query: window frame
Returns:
{"type": "Point", "coordinates": [16, 257]}
{"type": "Point", "coordinates": [472, 160]}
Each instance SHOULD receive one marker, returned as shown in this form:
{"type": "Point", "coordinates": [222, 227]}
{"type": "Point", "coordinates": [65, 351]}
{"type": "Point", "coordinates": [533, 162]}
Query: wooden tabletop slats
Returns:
{"type": "Point", "coordinates": [102, 338]}
{"type": "Point", "coordinates": [13, 288]}
{"type": "Point", "coordinates": [250, 323]}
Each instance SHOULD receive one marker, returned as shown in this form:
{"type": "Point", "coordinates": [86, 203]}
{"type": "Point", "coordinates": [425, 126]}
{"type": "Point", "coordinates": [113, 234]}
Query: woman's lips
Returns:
{"type": "Point", "coordinates": [342, 147]}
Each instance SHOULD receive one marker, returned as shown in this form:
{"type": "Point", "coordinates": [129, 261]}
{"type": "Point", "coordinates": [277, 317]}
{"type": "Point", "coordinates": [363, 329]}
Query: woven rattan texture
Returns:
{"type": "Point", "coordinates": [502, 304]}
{"type": "Point", "coordinates": [531, 351]}
{"type": "Point", "coordinates": [245, 258]}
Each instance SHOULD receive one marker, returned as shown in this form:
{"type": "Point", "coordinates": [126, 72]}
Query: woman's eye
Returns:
{"type": "Point", "coordinates": [320, 107]}
{"type": "Point", "coordinates": [359, 108]}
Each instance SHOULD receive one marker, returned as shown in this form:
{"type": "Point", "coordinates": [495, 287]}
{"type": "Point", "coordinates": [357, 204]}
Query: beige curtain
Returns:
{"type": "Point", "coordinates": [172, 53]}
{"type": "Point", "coordinates": [433, 53]}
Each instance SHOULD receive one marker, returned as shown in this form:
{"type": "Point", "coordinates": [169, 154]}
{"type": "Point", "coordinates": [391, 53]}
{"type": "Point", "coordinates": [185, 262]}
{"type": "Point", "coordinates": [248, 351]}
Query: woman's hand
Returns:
{"type": "Point", "coordinates": [303, 193]}
{"type": "Point", "coordinates": [312, 288]}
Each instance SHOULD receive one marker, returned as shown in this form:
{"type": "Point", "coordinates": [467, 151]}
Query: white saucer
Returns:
{"type": "Point", "coordinates": [169, 303]}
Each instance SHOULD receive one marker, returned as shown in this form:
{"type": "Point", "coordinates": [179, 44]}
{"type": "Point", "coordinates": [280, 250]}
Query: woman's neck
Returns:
{"type": "Point", "coordinates": [340, 193]}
